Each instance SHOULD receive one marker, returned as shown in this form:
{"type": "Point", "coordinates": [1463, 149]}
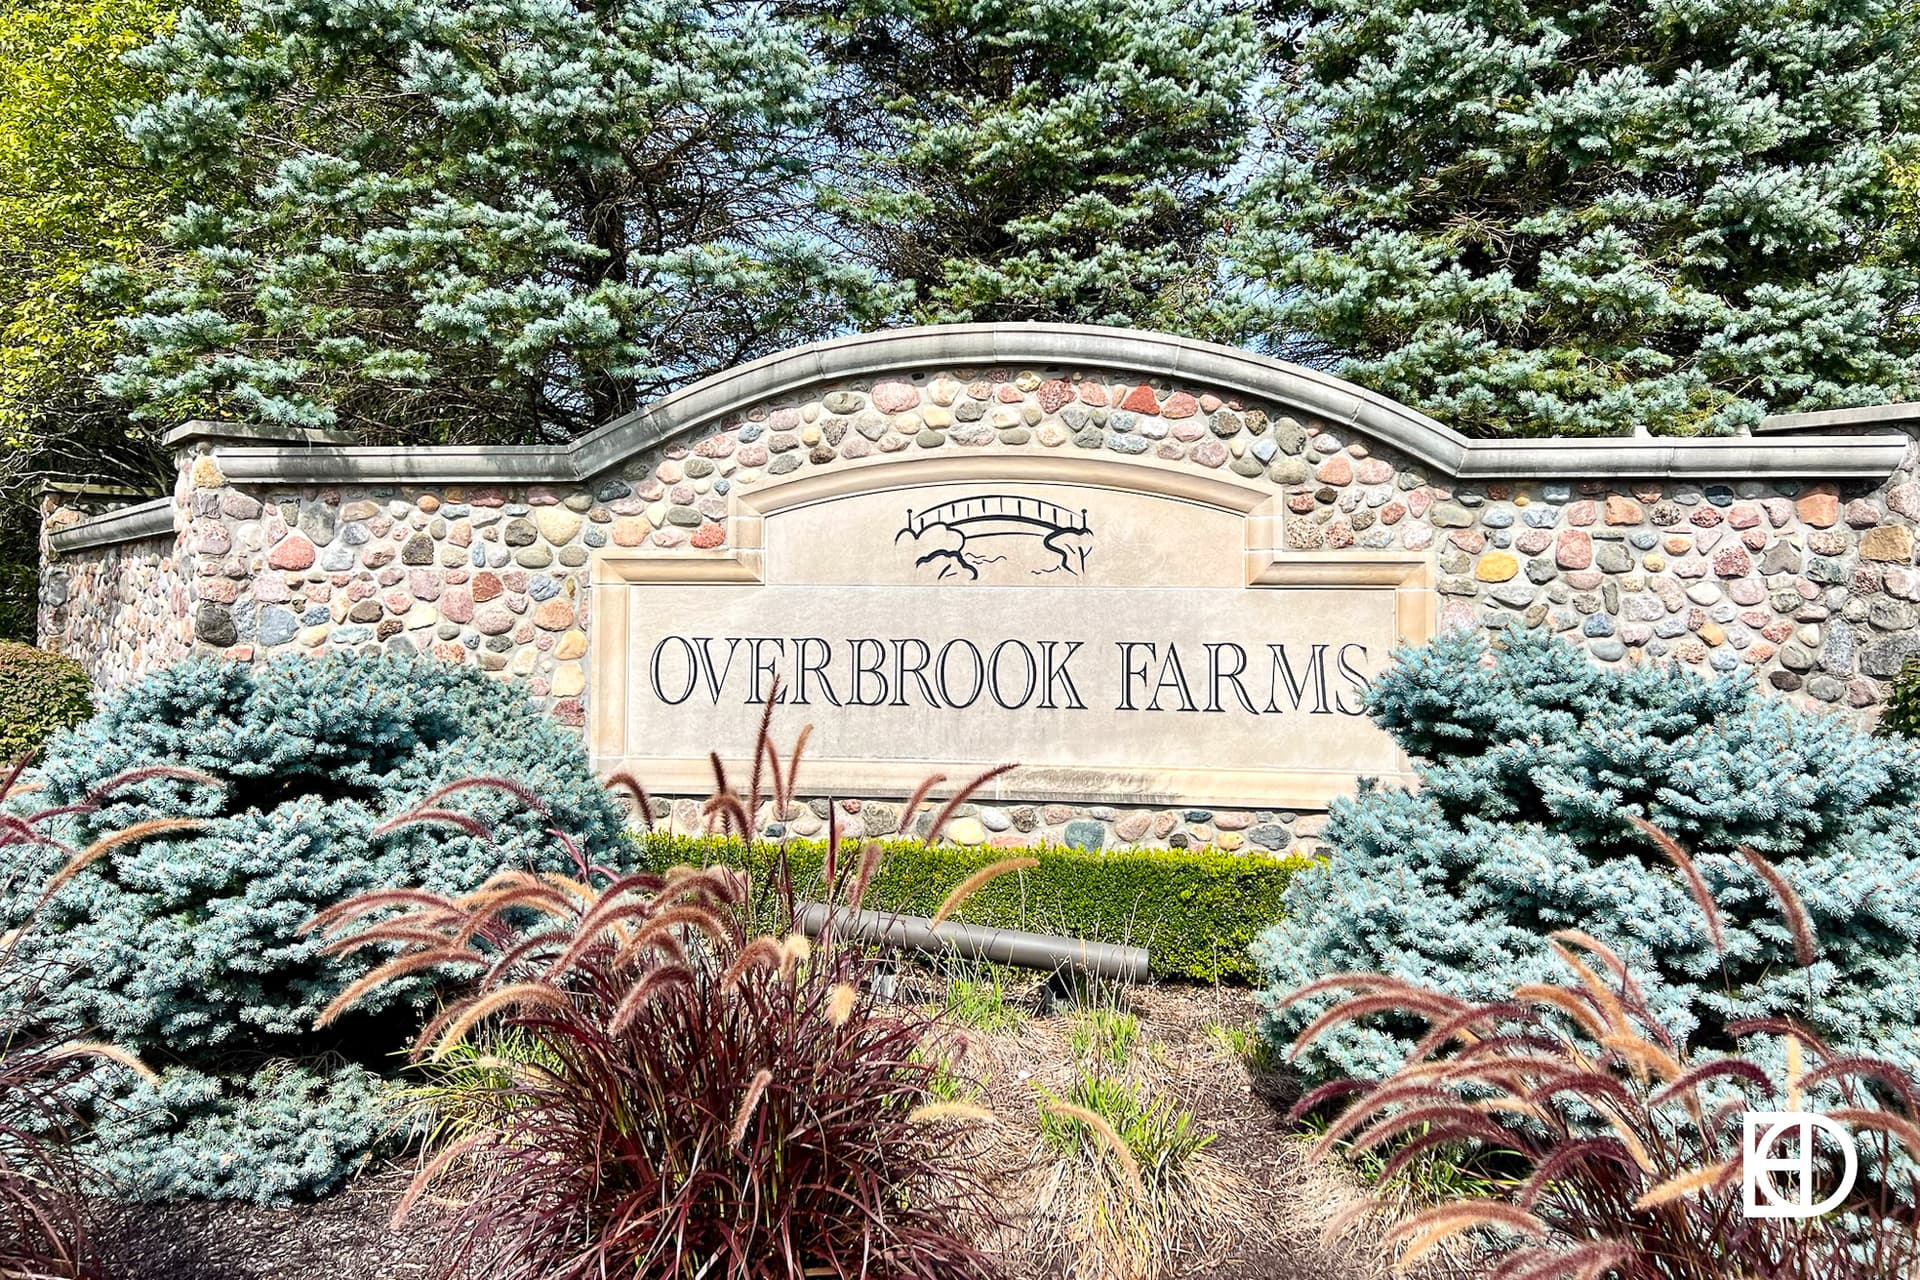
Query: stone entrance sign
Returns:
{"type": "Point", "coordinates": [1155, 573]}
{"type": "Point", "coordinates": [1125, 645]}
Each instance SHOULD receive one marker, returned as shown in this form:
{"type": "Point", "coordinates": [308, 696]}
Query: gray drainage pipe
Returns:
{"type": "Point", "coordinates": [980, 942]}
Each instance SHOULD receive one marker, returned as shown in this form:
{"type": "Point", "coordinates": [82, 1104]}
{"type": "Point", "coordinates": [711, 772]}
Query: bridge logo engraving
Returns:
{"type": "Point", "coordinates": [1008, 537]}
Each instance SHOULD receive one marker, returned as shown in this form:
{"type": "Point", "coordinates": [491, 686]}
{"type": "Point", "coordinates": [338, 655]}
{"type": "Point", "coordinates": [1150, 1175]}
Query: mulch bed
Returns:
{"type": "Point", "coordinates": [348, 1236]}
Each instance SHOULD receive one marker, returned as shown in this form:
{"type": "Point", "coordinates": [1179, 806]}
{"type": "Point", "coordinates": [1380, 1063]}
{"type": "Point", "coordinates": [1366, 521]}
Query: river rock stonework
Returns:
{"type": "Point", "coordinates": [1809, 581]}
{"type": "Point", "coordinates": [120, 609]}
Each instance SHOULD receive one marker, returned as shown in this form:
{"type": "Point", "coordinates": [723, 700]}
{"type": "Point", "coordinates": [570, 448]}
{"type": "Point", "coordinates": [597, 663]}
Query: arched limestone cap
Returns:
{"type": "Point", "coordinates": [316, 458]}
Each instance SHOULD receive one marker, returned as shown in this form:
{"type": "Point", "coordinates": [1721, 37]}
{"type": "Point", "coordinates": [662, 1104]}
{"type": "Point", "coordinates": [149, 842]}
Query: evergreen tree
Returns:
{"type": "Point", "coordinates": [1042, 159]}
{"type": "Point", "coordinates": [1540, 218]}
{"type": "Point", "coordinates": [463, 221]}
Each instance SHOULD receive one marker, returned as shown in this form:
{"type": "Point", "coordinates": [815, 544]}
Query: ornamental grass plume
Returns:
{"type": "Point", "coordinates": [1125, 1188]}
{"type": "Point", "coordinates": [42, 1185]}
{"type": "Point", "coordinates": [1624, 1151]}
{"type": "Point", "coordinates": [631, 1083]}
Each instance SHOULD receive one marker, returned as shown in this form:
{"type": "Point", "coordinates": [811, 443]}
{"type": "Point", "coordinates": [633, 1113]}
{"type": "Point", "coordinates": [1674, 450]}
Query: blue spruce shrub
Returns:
{"type": "Point", "coordinates": [187, 948]}
{"type": "Point", "coordinates": [1531, 761]}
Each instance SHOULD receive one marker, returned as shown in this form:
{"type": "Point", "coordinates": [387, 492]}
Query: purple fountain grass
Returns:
{"type": "Point", "coordinates": [1625, 1156]}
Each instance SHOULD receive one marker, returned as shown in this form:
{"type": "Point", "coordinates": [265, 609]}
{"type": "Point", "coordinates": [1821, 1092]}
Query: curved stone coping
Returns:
{"type": "Point", "coordinates": [1904, 416]}
{"type": "Point", "coordinates": [124, 524]}
{"type": "Point", "coordinates": [321, 461]}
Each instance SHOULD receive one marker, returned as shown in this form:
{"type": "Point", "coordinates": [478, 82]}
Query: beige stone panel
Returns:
{"type": "Point", "coordinates": [1113, 720]}
{"type": "Point", "coordinates": [1006, 534]}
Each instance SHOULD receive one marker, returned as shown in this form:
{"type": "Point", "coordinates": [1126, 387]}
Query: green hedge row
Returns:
{"type": "Point", "coordinates": [1195, 911]}
{"type": "Point", "coordinates": [41, 693]}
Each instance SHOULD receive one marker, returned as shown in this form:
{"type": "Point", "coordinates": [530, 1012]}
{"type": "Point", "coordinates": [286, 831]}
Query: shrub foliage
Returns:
{"type": "Point", "coordinates": [1629, 1151]}
{"type": "Point", "coordinates": [1533, 764]}
{"type": "Point", "coordinates": [1196, 911]}
{"type": "Point", "coordinates": [40, 694]}
{"type": "Point", "coordinates": [186, 948]}
{"type": "Point", "coordinates": [43, 1222]}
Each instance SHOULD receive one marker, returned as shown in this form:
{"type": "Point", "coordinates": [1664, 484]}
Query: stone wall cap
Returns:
{"type": "Point", "coordinates": [324, 459]}
{"type": "Point", "coordinates": [1903, 415]}
{"type": "Point", "coordinates": [200, 430]}
{"type": "Point", "coordinates": [125, 524]}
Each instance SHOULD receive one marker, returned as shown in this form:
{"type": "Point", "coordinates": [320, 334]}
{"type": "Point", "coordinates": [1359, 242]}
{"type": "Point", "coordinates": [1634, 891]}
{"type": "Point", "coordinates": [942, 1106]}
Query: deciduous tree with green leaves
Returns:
{"type": "Point", "coordinates": [1042, 159]}
{"type": "Point", "coordinates": [1582, 219]}
{"type": "Point", "coordinates": [463, 222]}
{"type": "Point", "coordinates": [74, 195]}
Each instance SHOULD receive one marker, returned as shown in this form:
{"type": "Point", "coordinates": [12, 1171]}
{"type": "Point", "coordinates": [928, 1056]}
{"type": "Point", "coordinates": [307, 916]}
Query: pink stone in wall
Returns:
{"type": "Point", "coordinates": [1210, 453]}
{"type": "Point", "coordinates": [457, 605]}
{"type": "Point", "coordinates": [220, 590]}
{"type": "Point", "coordinates": [1054, 394]}
{"type": "Point", "coordinates": [1141, 400]}
{"type": "Point", "coordinates": [1533, 542]}
{"type": "Point", "coordinates": [709, 535]}
{"type": "Point", "coordinates": [1374, 471]}
{"type": "Point", "coordinates": [1337, 470]}
{"type": "Point", "coordinates": [270, 590]}
{"type": "Point", "coordinates": [1092, 392]}
{"type": "Point", "coordinates": [1189, 430]}
{"type": "Point", "coordinates": [210, 538]}
{"type": "Point", "coordinates": [1007, 393]}
{"type": "Point", "coordinates": [752, 455]}
{"type": "Point", "coordinates": [1582, 513]}
{"type": "Point", "coordinates": [671, 536]}
{"type": "Point", "coordinates": [1573, 550]}
{"type": "Point", "coordinates": [569, 711]}
{"type": "Point", "coordinates": [895, 396]}
{"type": "Point", "coordinates": [292, 552]}
{"type": "Point", "coordinates": [1743, 515]}
{"type": "Point", "coordinates": [449, 651]}
{"type": "Point", "coordinates": [716, 446]}
{"type": "Point", "coordinates": [1418, 500]}
{"type": "Point", "coordinates": [1179, 405]}
{"type": "Point", "coordinates": [1584, 579]}
{"type": "Point", "coordinates": [1393, 513]}
{"type": "Point", "coordinates": [424, 583]}
{"type": "Point", "coordinates": [1732, 562]}
{"type": "Point", "coordinates": [492, 620]}
{"type": "Point", "coordinates": [553, 615]}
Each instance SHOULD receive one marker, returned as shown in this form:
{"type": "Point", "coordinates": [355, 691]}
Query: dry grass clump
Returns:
{"type": "Point", "coordinates": [1125, 1188]}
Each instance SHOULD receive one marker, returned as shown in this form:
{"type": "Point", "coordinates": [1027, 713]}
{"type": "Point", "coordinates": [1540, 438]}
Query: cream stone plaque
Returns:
{"type": "Point", "coordinates": [1129, 645]}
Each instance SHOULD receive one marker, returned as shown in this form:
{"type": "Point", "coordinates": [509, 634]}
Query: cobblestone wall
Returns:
{"type": "Point", "coordinates": [120, 609]}
{"type": "Point", "coordinates": [1812, 584]}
